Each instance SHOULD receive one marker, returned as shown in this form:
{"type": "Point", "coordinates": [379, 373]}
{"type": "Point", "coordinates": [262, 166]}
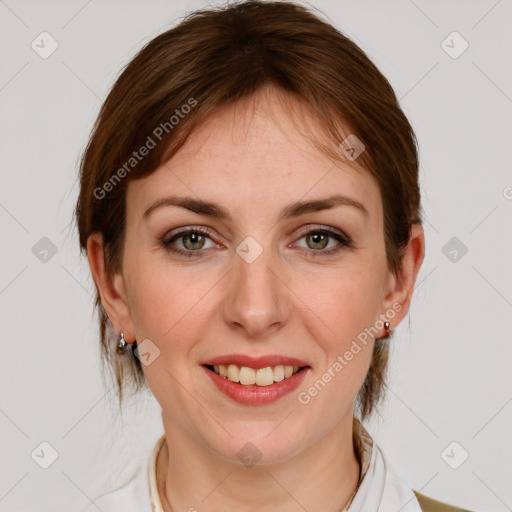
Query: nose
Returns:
{"type": "Point", "coordinates": [256, 296]}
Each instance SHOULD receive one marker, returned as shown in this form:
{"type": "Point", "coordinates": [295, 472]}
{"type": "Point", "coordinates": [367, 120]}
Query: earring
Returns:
{"type": "Point", "coordinates": [121, 345]}
{"type": "Point", "coordinates": [388, 330]}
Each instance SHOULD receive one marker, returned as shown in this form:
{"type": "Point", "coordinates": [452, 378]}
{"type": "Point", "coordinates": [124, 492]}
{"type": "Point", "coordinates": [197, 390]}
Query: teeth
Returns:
{"type": "Point", "coordinates": [233, 373]}
{"type": "Point", "coordinates": [261, 376]}
{"type": "Point", "coordinates": [247, 375]}
{"type": "Point", "coordinates": [278, 373]}
{"type": "Point", "coordinates": [265, 376]}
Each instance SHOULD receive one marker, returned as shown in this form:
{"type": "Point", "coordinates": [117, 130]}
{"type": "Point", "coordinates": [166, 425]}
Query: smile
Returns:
{"type": "Point", "coordinates": [255, 382]}
{"type": "Point", "coordinates": [247, 376]}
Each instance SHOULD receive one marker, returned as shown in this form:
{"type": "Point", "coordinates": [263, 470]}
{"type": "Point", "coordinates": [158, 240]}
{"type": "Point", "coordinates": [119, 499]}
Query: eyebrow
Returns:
{"type": "Point", "coordinates": [214, 210]}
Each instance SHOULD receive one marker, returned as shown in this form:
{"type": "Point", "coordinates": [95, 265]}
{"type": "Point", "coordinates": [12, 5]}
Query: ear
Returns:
{"type": "Point", "coordinates": [401, 285]}
{"type": "Point", "coordinates": [110, 287]}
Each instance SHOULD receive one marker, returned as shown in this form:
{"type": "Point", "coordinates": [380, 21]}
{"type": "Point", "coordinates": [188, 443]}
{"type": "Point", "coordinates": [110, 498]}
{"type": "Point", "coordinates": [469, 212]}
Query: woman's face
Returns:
{"type": "Point", "coordinates": [266, 281]}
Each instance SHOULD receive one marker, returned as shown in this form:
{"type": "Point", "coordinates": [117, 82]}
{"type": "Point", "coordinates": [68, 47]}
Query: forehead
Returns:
{"type": "Point", "coordinates": [256, 154]}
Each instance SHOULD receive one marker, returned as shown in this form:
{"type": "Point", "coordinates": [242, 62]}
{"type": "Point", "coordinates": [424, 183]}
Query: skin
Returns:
{"type": "Point", "coordinates": [290, 301]}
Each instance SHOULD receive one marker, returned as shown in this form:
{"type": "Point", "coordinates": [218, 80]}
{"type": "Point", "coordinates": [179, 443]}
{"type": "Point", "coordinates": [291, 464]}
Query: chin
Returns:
{"type": "Point", "coordinates": [253, 445]}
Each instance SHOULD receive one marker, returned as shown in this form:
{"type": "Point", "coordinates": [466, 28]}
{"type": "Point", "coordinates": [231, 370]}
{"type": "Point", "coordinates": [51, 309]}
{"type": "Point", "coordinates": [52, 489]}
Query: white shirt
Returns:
{"type": "Point", "coordinates": [381, 489]}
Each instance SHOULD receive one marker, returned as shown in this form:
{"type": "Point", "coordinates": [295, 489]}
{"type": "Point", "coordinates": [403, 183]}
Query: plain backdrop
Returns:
{"type": "Point", "coordinates": [450, 390]}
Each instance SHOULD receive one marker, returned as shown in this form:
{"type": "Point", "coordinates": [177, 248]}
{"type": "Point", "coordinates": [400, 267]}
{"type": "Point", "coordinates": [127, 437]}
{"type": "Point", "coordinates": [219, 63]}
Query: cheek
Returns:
{"type": "Point", "coordinates": [347, 306]}
{"type": "Point", "coordinates": [345, 303]}
{"type": "Point", "coordinates": [169, 308]}
{"type": "Point", "coordinates": [169, 304]}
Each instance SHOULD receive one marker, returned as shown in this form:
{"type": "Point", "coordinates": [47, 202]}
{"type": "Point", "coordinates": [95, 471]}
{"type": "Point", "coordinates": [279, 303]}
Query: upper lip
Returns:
{"type": "Point", "coordinates": [256, 362]}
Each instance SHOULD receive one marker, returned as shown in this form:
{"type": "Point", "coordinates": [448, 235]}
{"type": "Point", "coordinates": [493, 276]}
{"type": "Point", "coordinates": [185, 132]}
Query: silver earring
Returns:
{"type": "Point", "coordinates": [386, 326]}
{"type": "Point", "coordinates": [121, 346]}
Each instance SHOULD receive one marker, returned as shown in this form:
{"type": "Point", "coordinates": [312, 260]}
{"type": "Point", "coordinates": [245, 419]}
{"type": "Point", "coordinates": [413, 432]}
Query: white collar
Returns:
{"type": "Point", "coordinates": [154, 496]}
{"type": "Point", "coordinates": [381, 488]}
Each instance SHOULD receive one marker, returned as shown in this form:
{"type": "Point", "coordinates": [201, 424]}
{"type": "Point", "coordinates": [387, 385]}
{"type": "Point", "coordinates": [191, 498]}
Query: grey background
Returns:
{"type": "Point", "coordinates": [450, 368]}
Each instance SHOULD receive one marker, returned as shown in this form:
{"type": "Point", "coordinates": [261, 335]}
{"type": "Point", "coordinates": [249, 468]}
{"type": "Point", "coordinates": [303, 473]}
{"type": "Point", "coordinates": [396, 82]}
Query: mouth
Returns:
{"type": "Point", "coordinates": [255, 381]}
{"type": "Point", "coordinates": [261, 377]}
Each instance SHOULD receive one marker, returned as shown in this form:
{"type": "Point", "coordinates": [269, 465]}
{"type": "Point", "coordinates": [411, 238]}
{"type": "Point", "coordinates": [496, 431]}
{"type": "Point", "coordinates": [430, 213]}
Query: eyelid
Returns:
{"type": "Point", "coordinates": [173, 235]}
{"type": "Point", "coordinates": [344, 241]}
{"type": "Point", "coordinates": [204, 229]}
{"type": "Point", "coordinates": [321, 227]}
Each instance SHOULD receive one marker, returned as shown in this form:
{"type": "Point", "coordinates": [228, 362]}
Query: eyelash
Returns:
{"type": "Point", "coordinates": [344, 241]}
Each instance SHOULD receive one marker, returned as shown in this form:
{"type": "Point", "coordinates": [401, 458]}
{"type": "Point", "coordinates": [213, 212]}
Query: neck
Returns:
{"type": "Point", "coordinates": [321, 478]}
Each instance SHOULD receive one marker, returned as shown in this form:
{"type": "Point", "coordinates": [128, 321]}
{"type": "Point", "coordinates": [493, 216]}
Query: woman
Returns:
{"type": "Point", "coordinates": [250, 210]}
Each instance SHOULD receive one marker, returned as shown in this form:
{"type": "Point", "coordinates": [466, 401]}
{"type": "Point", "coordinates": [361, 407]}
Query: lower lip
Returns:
{"type": "Point", "coordinates": [257, 395]}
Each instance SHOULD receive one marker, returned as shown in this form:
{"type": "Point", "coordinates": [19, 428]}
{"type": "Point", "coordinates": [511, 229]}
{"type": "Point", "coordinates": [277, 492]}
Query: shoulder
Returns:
{"type": "Point", "coordinates": [431, 505]}
{"type": "Point", "coordinates": [132, 496]}
{"type": "Point", "coordinates": [398, 494]}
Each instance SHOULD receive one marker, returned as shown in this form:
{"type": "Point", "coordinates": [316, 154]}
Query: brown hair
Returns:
{"type": "Point", "coordinates": [211, 59]}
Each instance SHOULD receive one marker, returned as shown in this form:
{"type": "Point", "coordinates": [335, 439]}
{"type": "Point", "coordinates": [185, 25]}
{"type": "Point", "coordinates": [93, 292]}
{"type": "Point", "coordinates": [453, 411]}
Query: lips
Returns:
{"type": "Point", "coordinates": [256, 380]}
{"type": "Point", "coordinates": [256, 362]}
